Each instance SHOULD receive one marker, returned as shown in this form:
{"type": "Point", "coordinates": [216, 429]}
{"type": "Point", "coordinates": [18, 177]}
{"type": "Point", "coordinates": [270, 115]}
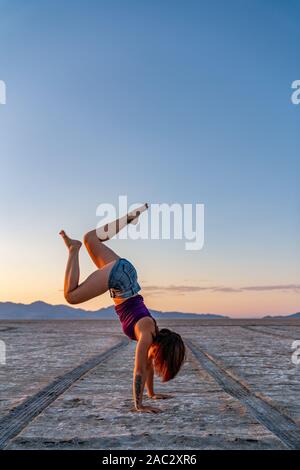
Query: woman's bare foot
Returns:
{"type": "Point", "coordinates": [70, 244]}
{"type": "Point", "coordinates": [133, 216]}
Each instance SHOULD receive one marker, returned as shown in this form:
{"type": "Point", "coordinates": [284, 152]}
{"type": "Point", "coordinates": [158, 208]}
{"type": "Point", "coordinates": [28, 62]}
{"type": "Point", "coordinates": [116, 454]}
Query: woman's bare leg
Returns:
{"type": "Point", "coordinates": [108, 231]}
{"type": "Point", "coordinates": [100, 253]}
{"type": "Point", "coordinates": [72, 270]}
{"type": "Point", "coordinates": [96, 284]}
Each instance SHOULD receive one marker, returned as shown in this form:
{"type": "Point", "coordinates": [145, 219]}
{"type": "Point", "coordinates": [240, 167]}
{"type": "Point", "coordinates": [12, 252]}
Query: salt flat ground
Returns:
{"type": "Point", "coordinates": [238, 389]}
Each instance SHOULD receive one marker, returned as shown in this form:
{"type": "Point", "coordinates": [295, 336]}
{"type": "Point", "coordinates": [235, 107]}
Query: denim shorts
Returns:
{"type": "Point", "coordinates": [122, 281]}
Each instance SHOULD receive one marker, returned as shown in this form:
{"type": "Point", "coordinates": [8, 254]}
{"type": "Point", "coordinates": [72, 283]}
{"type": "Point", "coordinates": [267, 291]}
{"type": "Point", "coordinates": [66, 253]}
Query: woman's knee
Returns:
{"type": "Point", "coordinates": [89, 237]}
{"type": "Point", "coordinates": [96, 236]}
{"type": "Point", "coordinates": [70, 298]}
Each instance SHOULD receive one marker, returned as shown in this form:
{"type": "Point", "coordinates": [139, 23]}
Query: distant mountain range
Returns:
{"type": "Point", "coordinates": [293, 315]}
{"type": "Point", "coordinates": [43, 311]}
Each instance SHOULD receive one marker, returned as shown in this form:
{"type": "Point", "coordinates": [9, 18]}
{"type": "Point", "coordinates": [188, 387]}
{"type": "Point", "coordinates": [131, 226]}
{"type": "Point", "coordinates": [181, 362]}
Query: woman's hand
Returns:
{"type": "Point", "coordinates": [161, 396]}
{"type": "Point", "coordinates": [147, 409]}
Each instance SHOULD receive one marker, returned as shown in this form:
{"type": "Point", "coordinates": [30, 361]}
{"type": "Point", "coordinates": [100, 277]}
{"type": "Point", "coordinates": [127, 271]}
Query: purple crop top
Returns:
{"type": "Point", "coordinates": [130, 312]}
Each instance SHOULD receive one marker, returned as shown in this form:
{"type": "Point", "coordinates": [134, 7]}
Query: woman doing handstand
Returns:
{"type": "Point", "coordinates": [162, 351]}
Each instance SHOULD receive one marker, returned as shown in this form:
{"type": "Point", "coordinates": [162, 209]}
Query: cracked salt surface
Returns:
{"type": "Point", "coordinates": [95, 411]}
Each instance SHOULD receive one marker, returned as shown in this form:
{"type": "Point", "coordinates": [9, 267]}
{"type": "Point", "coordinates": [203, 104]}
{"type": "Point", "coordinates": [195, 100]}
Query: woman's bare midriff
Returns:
{"type": "Point", "coordinates": [120, 300]}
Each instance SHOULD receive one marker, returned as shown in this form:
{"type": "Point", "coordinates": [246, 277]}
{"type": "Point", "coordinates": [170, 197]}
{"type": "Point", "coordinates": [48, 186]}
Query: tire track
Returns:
{"type": "Point", "coordinates": [8, 328]}
{"type": "Point", "coordinates": [278, 423]}
{"type": "Point", "coordinates": [263, 332]}
{"type": "Point", "coordinates": [17, 419]}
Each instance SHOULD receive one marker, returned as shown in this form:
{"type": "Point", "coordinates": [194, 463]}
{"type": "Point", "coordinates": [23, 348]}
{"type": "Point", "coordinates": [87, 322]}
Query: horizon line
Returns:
{"type": "Point", "coordinates": [226, 316]}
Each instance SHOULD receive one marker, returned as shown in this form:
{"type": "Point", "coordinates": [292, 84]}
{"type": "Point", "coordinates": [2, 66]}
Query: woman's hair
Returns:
{"type": "Point", "coordinates": [168, 354]}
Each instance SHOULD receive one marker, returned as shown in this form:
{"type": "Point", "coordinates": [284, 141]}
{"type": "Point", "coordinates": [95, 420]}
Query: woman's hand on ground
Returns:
{"type": "Point", "coordinates": [147, 409]}
{"type": "Point", "coordinates": [161, 396]}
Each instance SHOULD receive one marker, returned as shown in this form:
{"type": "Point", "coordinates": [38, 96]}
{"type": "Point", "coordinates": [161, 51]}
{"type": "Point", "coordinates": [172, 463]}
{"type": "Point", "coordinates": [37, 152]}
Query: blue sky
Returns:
{"type": "Point", "coordinates": [165, 102]}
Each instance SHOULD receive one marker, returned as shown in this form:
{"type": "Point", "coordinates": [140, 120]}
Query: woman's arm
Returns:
{"type": "Point", "coordinates": [150, 386]}
{"type": "Point", "coordinates": [150, 381]}
{"type": "Point", "coordinates": [140, 373]}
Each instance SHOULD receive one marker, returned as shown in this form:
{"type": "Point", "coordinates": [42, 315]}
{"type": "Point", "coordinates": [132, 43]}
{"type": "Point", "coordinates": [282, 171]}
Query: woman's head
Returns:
{"type": "Point", "coordinates": [167, 353]}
